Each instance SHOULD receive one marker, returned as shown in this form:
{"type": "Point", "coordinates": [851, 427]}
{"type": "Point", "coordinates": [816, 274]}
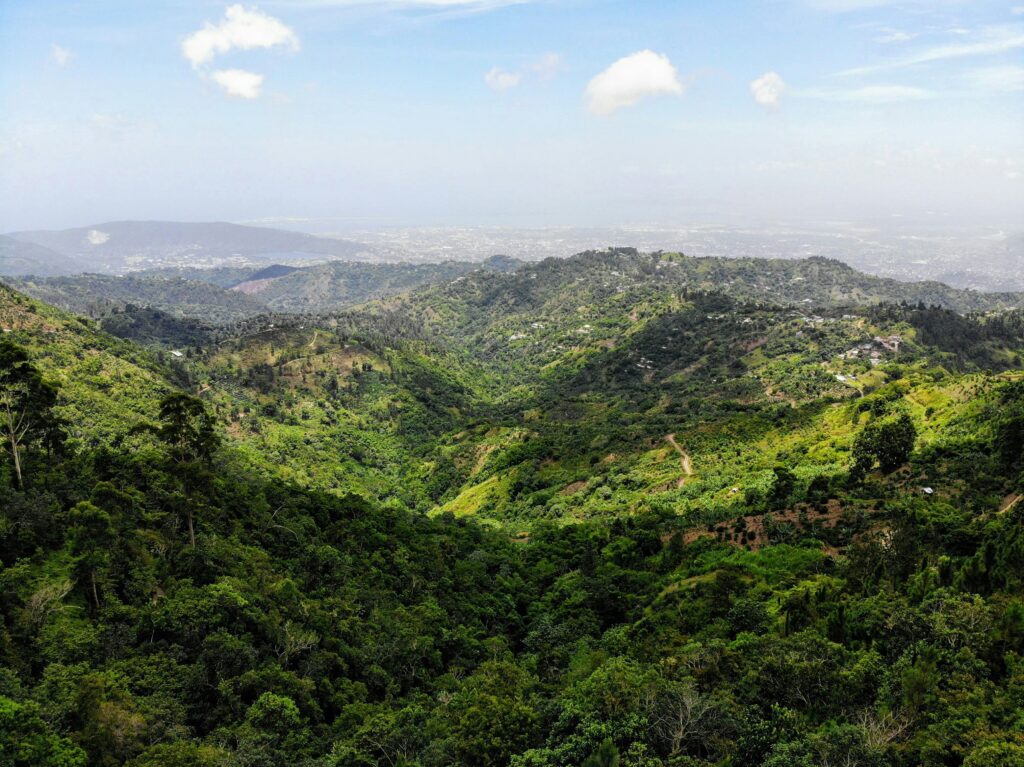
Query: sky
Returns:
{"type": "Point", "coordinates": [339, 114]}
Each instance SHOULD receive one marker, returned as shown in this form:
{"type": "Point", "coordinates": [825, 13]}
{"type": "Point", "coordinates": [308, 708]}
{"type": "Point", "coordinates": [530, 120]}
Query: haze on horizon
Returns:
{"type": "Point", "coordinates": [375, 113]}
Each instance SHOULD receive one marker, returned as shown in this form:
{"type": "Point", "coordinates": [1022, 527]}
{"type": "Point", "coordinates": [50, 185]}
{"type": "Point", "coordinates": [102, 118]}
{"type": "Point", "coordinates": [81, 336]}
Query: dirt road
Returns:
{"type": "Point", "coordinates": [684, 459]}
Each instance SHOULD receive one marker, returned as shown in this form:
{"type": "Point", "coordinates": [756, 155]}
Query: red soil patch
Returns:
{"type": "Point", "coordinates": [573, 487]}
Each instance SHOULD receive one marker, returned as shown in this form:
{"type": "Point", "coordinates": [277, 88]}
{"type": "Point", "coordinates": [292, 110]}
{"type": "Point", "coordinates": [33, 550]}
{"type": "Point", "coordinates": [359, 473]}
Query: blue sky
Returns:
{"type": "Point", "coordinates": [550, 112]}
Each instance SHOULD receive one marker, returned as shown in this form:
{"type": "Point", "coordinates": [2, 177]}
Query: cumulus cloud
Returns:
{"type": "Point", "coordinates": [241, 29]}
{"type": "Point", "coordinates": [62, 56]}
{"type": "Point", "coordinates": [239, 83]}
{"type": "Point", "coordinates": [767, 90]}
{"type": "Point", "coordinates": [500, 80]}
{"type": "Point", "coordinates": [631, 79]}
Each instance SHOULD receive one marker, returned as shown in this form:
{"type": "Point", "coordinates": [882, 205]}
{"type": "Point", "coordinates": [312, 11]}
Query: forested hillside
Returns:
{"type": "Point", "coordinates": [99, 294]}
{"type": "Point", "coordinates": [621, 509]}
{"type": "Point", "coordinates": [228, 294]}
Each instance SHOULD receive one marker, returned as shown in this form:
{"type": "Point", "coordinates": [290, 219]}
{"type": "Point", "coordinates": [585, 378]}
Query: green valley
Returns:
{"type": "Point", "coordinates": [616, 509]}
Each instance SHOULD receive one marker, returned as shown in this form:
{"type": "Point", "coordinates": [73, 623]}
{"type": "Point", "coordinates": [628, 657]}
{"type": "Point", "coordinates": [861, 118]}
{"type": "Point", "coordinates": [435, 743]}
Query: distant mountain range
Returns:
{"type": "Point", "coordinates": [119, 246]}
{"type": "Point", "coordinates": [23, 258]}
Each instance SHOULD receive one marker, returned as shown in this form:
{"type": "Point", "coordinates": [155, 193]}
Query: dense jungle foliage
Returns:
{"type": "Point", "coordinates": [588, 517]}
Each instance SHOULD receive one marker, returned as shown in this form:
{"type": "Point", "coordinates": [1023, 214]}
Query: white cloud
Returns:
{"type": "Point", "coordinates": [543, 68]}
{"type": "Point", "coordinates": [62, 56]}
{"type": "Point", "coordinates": [547, 66]}
{"type": "Point", "coordinates": [239, 83]}
{"type": "Point", "coordinates": [631, 79]}
{"type": "Point", "coordinates": [1017, 10]}
{"type": "Point", "coordinates": [500, 80]}
{"type": "Point", "coordinates": [992, 41]}
{"type": "Point", "coordinates": [1005, 78]}
{"type": "Point", "coordinates": [870, 94]}
{"type": "Point", "coordinates": [889, 35]}
{"type": "Point", "coordinates": [767, 89]}
{"type": "Point", "coordinates": [242, 29]}
{"type": "Point", "coordinates": [96, 237]}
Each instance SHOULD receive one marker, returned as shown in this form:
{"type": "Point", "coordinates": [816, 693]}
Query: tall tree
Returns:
{"type": "Point", "coordinates": [91, 535]}
{"type": "Point", "coordinates": [189, 431]}
{"type": "Point", "coordinates": [888, 442]}
{"type": "Point", "coordinates": [26, 405]}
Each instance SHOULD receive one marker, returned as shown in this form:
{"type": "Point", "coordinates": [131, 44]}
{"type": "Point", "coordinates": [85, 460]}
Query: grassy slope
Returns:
{"type": "Point", "coordinates": [107, 385]}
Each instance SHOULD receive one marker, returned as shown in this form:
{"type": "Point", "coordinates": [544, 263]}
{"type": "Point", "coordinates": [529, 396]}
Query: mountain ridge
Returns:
{"type": "Point", "coordinates": [118, 245]}
{"type": "Point", "coordinates": [19, 258]}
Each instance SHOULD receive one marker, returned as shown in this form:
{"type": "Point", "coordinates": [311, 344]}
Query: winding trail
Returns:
{"type": "Point", "coordinates": [316, 332]}
{"type": "Point", "coordinates": [684, 459]}
{"type": "Point", "coordinates": [1009, 502]}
